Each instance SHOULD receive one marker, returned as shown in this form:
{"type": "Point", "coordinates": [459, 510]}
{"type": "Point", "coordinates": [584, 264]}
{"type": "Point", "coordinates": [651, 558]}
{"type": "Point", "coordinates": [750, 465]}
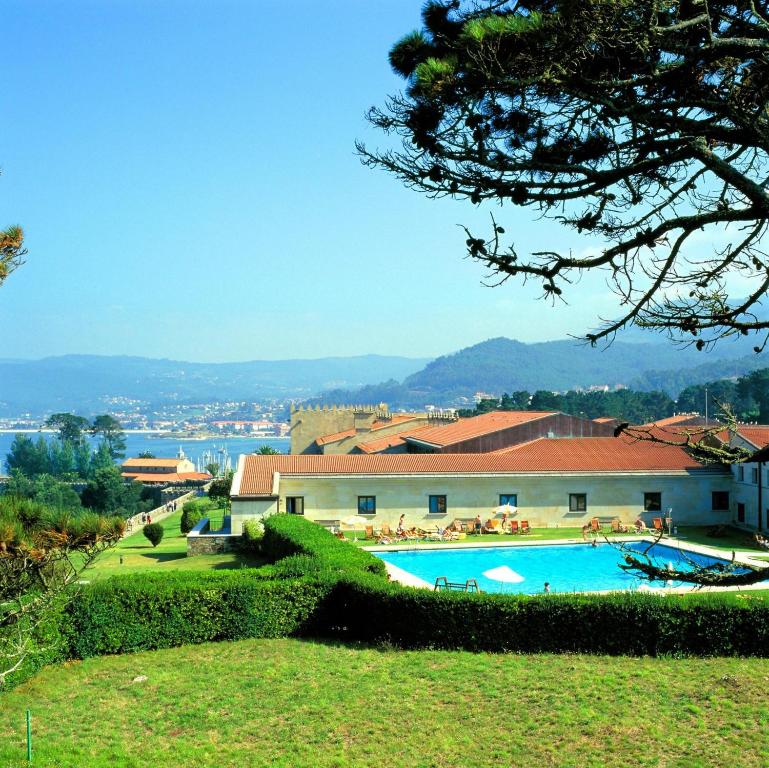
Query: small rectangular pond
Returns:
{"type": "Point", "coordinates": [525, 569]}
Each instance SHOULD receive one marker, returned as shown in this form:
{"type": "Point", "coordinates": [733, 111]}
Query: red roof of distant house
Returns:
{"type": "Point", "coordinates": [165, 477]}
{"type": "Point", "coordinates": [151, 462]}
{"type": "Point", "coordinates": [756, 434]}
{"type": "Point", "coordinates": [681, 419]}
{"type": "Point", "coordinates": [605, 419]}
{"type": "Point", "coordinates": [476, 426]}
{"type": "Point", "coordinates": [383, 443]}
{"type": "Point", "coordinates": [381, 424]}
{"type": "Point", "coordinates": [579, 454]}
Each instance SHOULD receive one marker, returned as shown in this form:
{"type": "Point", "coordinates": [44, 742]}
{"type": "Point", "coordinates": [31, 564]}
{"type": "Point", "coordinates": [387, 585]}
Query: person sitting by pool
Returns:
{"type": "Point", "coordinates": [594, 543]}
{"type": "Point", "coordinates": [401, 529]}
{"type": "Point", "coordinates": [477, 524]}
{"type": "Point", "coordinates": [640, 526]}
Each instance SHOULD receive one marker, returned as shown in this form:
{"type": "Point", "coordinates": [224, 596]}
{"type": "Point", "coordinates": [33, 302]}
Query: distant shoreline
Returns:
{"type": "Point", "coordinates": [158, 433]}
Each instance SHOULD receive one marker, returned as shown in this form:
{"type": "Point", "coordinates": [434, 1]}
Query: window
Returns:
{"type": "Point", "coordinates": [740, 513]}
{"type": "Point", "coordinates": [653, 502]}
{"type": "Point", "coordinates": [295, 505]}
{"type": "Point", "coordinates": [741, 473]}
{"type": "Point", "coordinates": [366, 505]}
{"type": "Point", "coordinates": [721, 501]}
{"type": "Point", "coordinates": [437, 505]}
{"type": "Point", "coordinates": [577, 502]}
{"type": "Point", "coordinates": [508, 498]}
{"type": "Point", "coordinates": [754, 475]}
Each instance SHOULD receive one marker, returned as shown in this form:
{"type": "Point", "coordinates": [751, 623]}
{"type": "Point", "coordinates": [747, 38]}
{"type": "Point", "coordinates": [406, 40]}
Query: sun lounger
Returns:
{"type": "Point", "coordinates": [595, 525]}
{"type": "Point", "coordinates": [617, 526]}
{"type": "Point", "coordinates": [657, 523]}
{"type": "Point", "coordinates": [514, 526]}
{"type": "Point", "coordinates": [525, 527]}
{"type": "Point", "coordinates": [492, 526]}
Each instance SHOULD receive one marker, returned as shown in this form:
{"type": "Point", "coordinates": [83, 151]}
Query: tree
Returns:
{"type": "Point", "coordinates": [643, 125]}
{"type": "Point", "coordinates": [153, 532]}
{"type": "Point", "coordinates": [44, 489]}
{"type": "Point", "coordinates": [12, 251]}
{"type": "Point", "coordinates": [212, 468]}
{"type": "Point", "coordinates": [146, 455]}
{"type": "Point", "coordinates": [645, 565]}
{"type": "Point", "coordinates": [219, 489]}
{"type": "Point", "coordinates": [106, 491]}
{"type": "Point", "coordinates": [42, 554]}
{"type": "Point", "coordinates": [266, 450]}
{"type": "Point", "coordinates": [112, 433]}
{"type": "Point", "coordinates": [69, 426]}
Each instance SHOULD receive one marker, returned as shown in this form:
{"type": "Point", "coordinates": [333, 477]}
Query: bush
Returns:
{"type": "Point", "coordinates": [154, 533]}
{"type": "Point", "coordinates": [143, 612]}
{"type": "Point", "coordinates": [618, 624]}
{"type": "Point", "coordinates": [253, 533]}
{"type": "Point", "coordinates": [191, 516]}
{"type": "Point", "coordinates": [286, 535]}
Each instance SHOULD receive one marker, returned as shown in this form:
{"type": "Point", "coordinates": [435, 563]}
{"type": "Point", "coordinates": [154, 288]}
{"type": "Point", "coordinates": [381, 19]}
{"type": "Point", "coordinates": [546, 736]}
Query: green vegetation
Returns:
{"type": "Point", "coordinates": [135, 554]}
{"type": "Point", "coordinates": [191, 516]}
{"type": "Point", "coordinates": [153, 532]}
{"type": "Point", "coordinates": [328, 706]}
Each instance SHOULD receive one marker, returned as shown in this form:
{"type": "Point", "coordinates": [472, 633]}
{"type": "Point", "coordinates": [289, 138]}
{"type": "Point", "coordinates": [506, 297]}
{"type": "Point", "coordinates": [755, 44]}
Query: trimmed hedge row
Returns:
{"type": "Point", "coordinates": [366, 609]}
{"type": "Point", "coordinates": [144, 612]}
{"type": "Point", "coordinates": [286, 535]}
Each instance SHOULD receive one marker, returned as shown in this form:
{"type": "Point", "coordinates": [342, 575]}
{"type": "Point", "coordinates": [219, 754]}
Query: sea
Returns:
{"type": "Point", "coordinates": [168, 447]}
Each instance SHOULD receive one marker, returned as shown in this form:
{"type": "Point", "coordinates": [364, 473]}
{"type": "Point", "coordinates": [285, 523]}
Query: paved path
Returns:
{"type": "Point", "coordinates": [134, 524]}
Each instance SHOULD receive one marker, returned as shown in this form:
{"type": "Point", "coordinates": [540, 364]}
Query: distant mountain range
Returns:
{"type": "Point", "coordinates": [85, 383]}
{"type": "Point", "coordinates": [504, 365]}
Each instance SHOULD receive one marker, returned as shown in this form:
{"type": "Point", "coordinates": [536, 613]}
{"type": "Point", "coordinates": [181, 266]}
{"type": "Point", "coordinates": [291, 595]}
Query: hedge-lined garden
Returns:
{"type": "Point", "coordinates": [316, 585]}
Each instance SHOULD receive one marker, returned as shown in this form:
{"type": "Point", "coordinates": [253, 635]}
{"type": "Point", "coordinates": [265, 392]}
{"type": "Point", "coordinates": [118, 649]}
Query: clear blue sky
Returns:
{"type": "Point", "coordinates": [186, 176]}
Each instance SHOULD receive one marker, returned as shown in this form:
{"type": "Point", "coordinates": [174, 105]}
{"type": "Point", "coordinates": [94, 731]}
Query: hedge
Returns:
{"type": "Point", "coordinates": [366, 609]}
{"type": "Point", "coordinates": [286, 535]}
{"type": "Point", "coordinates": [144, 612]}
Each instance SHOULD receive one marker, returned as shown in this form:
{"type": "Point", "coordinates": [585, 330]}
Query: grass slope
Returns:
{"type": "Point", "coordinates": [171, 554]}
{"type": "Point", "coordinates": [293, 703]}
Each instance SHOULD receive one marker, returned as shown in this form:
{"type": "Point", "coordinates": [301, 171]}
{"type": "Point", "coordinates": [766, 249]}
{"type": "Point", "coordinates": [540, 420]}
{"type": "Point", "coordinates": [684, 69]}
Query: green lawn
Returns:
{"type": "Point", "coordinates": [289, 703]}
{"type": "Point", "coordinates": [137, 554]}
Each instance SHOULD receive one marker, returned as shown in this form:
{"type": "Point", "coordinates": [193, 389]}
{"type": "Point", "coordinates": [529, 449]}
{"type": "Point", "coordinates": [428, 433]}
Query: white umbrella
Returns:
{"type": "Point", "coordinates": [354, 520]}
{"type": "Point", "coordinates": [504, 573]}
{"type": "Point", "coordinates": [509, 508]}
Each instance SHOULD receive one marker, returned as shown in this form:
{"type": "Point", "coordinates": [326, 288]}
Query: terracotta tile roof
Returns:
{"type": "Point", "coordinates": [336, 436]}
{"type": "Point", "coordinates": [756, 434]}
{"type": "Point", "coordinates": [578, 454]}
{"type": "Point", "coordinates": [679, 435]}
{"type": "Point", "coordinates": [475, 426]}
{"type": "Point", "coordinates": [682, 420]}
{"type": "Point", "coordinates": [605, 420]}
{"type": "Point", "coordinates": [151, 462]}
{"type": "Point", "coordinates": [165, 477]}
{"type": "Point", "coordinates": [375, 446]}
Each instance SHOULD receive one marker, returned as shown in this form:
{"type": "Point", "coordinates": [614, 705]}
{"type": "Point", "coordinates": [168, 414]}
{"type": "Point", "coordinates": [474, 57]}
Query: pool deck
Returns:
{"type": "Point", "coordinates": [410, 580]}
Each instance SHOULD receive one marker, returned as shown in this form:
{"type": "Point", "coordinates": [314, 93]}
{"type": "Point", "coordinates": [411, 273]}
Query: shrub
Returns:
{"type": "Point", "coordinates": [143, 612]}
{"type": "Point", "coordinates": [153, 532]}
{"type": "Point", "coordinates": [368, 609]}
{"type": "Point", "coordinates": [286, 535]}
{"type": "Point", "coordinates": [191, 516]}
{"type": "Point", "coordinates": [253, 533]}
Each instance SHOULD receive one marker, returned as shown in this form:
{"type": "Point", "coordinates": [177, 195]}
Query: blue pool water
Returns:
{"type": "Point", "coordinates": [568, 567]}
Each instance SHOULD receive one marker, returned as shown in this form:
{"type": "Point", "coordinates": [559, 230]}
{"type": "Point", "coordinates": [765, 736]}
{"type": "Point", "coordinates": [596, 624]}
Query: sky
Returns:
{"type": "Point", "coordinates": [186, 176]}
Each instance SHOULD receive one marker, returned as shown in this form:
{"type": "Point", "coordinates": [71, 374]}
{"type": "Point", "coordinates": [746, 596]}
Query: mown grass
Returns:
{"type": "Point", "coordinates": [138, 555]}
{"type": "Point", "coordinates": [296, 703]}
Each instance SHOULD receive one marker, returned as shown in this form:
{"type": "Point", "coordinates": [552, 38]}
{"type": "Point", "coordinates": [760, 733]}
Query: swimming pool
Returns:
{"type": "Point", "coordinates": [525, 569]}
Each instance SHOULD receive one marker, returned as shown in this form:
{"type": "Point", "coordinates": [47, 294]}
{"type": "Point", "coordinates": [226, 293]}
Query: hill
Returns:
{"type": "Point", "coordinates": [505, 365]}
{"type": "Point", "coordinates": [87, 382]}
